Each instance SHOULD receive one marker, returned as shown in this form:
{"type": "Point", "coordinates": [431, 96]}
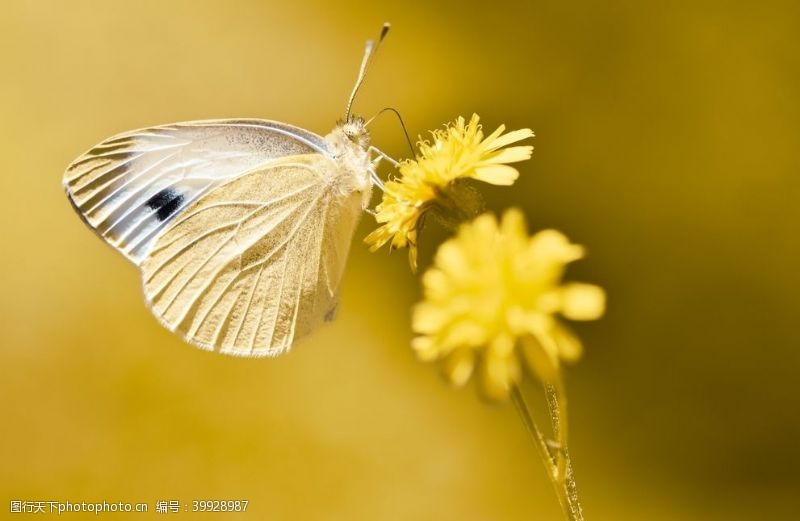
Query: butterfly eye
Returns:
{"type": "Point", "coordinates": [355, 129]}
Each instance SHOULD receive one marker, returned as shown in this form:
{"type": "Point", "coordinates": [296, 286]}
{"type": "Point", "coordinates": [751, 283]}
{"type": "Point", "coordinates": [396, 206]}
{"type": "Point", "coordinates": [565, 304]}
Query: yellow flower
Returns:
{"type": "Point", "coordinates": [492, 299]}
{"type": "Point", "coordinates": [458, 151]}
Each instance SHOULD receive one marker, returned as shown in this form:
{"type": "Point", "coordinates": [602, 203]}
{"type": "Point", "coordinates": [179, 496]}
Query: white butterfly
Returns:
{"type": "Point", "coordinates": [241, 228]}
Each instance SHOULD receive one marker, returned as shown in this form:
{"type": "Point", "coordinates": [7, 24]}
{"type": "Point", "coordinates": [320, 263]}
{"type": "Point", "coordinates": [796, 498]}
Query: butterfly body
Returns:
{"type": "Point", "coordinates": [348, 144]}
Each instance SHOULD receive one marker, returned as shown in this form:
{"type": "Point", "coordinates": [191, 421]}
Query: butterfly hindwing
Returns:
{"type": "Point", "coordinates": [254, 264]}
{"type": "Point", "coordinates": [130, 187]}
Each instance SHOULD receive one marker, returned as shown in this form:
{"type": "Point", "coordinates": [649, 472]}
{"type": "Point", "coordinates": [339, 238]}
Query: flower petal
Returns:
{"type": "Point", "coordinates": [553, 246]}
{"type": "Point", "coordinates": [459, 365]}
{"type": "Point", "coordinates": [582, 301]}
{"type": "Point", "coordinates": [499, 374]}
{"type": "Point", "coordinates": [569, 345]}
{"type": "Point", "coordinates": [542, 361]}
{"type": "Point", "coordinates": [412, 252]}
{"type": "Point", "coordinates": [512, 224]}
{"type": "Point", "coordinates": [491, 139]}
{"type": "Point", "coordinates": [508, 155]}
{"type": "Point", "coordinates": [463, 333]}
{"type": "Point", "coordinates": [501, 175]}
{"type": "Point", "coordinates": [451, 259]}
{"type": "Point", "coordinates": [428, 318]}
{"type": "Point", "coordinates": [425, 348]}
{"type": "Point", "coordinates": [378, 238]}
{"type": "Point", "coordinates": [511, 137]}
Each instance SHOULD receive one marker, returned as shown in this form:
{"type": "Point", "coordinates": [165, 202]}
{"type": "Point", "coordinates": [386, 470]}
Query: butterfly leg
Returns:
{"type": "Point", "coordinates": [381, 154]}
{"type": "Point", "coordinates": [377, 181]}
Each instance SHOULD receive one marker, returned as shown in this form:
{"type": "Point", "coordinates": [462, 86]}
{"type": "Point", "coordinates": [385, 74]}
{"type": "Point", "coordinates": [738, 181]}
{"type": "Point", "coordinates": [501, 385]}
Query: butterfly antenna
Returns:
{"type": "Point", "coordinates": [369, 52]}
{"type": "Point", "coordinates": [402, 124]}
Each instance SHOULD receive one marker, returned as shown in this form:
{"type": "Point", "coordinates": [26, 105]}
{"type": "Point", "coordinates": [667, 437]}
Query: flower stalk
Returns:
{"type": "Point", "coordinates": [555, 455]}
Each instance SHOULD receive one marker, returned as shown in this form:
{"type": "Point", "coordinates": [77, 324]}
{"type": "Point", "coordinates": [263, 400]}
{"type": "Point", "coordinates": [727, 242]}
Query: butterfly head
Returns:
{"type": "Point", "coordinates": [354, 129]}
{"type": "Point", "coordinates": [350, 141]}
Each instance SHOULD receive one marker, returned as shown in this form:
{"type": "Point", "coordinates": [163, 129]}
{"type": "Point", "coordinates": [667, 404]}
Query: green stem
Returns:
{"type": "Point", "coordinates": [558, 421]}
{"type": "Point", "coordinates": [559, 467]}
{"type": "Point", "coordinates": [557, 406]}
{"type": "Point", "coordinates": [530, 425]}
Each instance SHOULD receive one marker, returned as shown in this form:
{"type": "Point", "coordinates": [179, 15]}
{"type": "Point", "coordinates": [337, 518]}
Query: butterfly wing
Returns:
{"type": "Point", "coordinates": [255, 264]}
{"type": "Point", "coordinates": [131, 186]}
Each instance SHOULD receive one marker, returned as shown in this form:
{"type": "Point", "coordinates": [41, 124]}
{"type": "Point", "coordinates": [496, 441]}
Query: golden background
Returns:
{"type": "Point", "coordinates": [666, 143]}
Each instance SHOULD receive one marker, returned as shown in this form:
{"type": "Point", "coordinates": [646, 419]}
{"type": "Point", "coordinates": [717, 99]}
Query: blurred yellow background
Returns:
{"type": "Point", "coordinates": [666, 143]}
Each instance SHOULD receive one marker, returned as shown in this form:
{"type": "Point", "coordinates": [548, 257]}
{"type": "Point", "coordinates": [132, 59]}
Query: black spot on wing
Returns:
{"type": "Point", "coordinates": [165, 203]}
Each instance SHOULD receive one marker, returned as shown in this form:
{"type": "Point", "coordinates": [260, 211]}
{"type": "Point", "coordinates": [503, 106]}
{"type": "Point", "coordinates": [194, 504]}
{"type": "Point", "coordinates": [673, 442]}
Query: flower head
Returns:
{"type": "Point", "coordinates": [492, 300]}
{"type": "Point", "coordinates": [459, 151]}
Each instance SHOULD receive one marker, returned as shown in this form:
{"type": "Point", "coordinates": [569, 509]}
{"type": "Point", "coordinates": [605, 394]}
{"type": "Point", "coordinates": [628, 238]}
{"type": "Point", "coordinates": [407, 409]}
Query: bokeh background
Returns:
{"type": "Point", "coordinates": [666, 143]}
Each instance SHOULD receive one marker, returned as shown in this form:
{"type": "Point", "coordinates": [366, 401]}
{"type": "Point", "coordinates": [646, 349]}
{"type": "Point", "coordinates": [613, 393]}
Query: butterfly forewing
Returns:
{"type": "Point", "coordinates": [256, 263]}
{"type": "Point", "coordinates": [130, 187]}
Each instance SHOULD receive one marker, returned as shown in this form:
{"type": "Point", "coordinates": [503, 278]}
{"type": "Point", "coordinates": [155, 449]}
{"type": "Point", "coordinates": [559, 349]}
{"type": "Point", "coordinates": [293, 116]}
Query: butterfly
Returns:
{"type": "Point", "coordinates": [240, 227]}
